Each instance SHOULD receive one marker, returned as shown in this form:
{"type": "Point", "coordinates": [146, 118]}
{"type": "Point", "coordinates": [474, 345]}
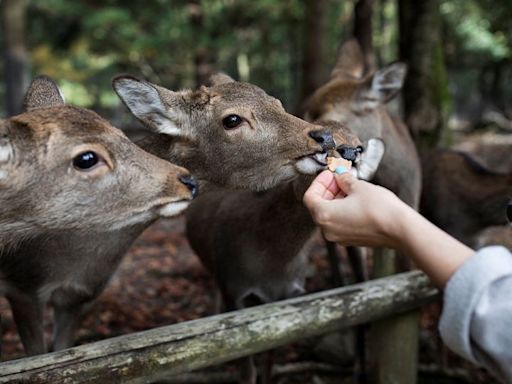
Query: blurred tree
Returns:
{"type": "Point", "coordinates": [203, 68]}
{"type": "Point", "coordinates": [315, 40]}
{"type": "Point", "coordinates": [425, 88]}
{"type": "Point", "coordinates": [15, 54]}
{"type": "Point", "coordinates": [478, 46]}
{"type": "Point", "coordinates": [363, 31]}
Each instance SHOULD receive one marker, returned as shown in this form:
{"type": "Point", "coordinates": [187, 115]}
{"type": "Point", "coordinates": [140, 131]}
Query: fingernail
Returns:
{"type": "Point", "coordinates": [340, 170]}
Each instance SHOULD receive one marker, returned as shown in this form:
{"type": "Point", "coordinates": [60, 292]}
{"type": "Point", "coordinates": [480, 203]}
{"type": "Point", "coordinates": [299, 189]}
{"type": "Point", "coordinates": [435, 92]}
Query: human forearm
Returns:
{"type": "Point", "coordinates": [354, 212]}
{"type": "Point", "coordinates": [434, 251]}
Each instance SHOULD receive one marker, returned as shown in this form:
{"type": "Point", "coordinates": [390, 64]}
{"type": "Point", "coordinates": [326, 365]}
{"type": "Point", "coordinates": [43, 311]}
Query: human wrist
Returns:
{"type": "Point", "coordinates": [397, 229]}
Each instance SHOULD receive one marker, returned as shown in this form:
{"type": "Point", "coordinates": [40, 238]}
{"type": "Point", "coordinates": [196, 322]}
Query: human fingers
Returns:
{"type": "Point", "coordinates": [322, 187]}
{"type": "Point", "coordinates": [345, 182]}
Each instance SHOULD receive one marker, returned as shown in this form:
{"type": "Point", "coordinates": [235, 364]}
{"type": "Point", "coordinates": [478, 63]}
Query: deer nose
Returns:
{"type": "Point", "coordinates": [323, 138]}
{"type": "Point", "coordinates": [509, 211]}
{"type": "Point", "coordinates": [349, 153]}
{"type": "Point", "coordinates": [191, 184]}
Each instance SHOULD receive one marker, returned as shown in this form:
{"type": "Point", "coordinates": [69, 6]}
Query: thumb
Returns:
{"type": "Point", "coordinates": [345, 182]}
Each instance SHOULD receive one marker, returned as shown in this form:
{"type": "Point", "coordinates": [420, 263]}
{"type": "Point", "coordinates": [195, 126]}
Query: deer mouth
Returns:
{"type": "Point", "coordinates": [318, 157]}
{"type": "Point", "coordinates": [174, 208]}
{"type": "Point", "coordinates": [312, 163]}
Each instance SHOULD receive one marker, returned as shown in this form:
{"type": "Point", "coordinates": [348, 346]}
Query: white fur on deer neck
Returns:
{"type": "Point", "coordinates": [5, 157]}
{"type": "Point", "coordinates": [5, 152]}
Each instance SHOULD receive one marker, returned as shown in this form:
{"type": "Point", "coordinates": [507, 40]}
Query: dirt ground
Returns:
{"type": "Point", "coordinates": [161, 282]}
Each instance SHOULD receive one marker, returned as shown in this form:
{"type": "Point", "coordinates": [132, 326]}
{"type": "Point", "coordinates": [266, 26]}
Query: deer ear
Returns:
{"type": "Point", "coordinates": [382, 86]}
{"type": "Point", "coordinates": [350, 60]}
{"type": "Point", "coordinates": [219, 78]}
{"type": "Point", "coordinates": [145, 101]}
{"type": "Point", "coordinates": [42, 93]}
{"type": "Point", "coordinates": [388, 81]}
{"type": "Point", "coordinates": [370, 159]}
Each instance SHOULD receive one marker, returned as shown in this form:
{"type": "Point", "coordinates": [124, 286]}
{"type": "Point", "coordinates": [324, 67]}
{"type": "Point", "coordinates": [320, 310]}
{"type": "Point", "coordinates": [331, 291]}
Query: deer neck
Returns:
{"type": "Point", "coordinates": [284, 206]}
{"type": "Point", "coordinates": [12, 234]}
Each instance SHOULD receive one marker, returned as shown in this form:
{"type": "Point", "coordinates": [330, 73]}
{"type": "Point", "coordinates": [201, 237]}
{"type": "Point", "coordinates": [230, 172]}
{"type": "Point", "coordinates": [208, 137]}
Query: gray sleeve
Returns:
{"type": "Point", "coordinates": [476, 322]}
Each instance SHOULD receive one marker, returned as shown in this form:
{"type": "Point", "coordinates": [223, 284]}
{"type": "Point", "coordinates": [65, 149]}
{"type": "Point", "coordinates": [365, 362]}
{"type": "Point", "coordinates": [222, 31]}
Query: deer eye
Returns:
{"type": "Point", "coordinates": [86, 160]}
{"type": "Point", "coordinates": [232, 121]}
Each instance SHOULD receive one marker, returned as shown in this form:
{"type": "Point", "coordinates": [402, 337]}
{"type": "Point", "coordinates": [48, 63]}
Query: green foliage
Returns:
{"type": "Point", "coordinates": [84, 43]}
{"type": "Point", "coordinates": [476, 31]}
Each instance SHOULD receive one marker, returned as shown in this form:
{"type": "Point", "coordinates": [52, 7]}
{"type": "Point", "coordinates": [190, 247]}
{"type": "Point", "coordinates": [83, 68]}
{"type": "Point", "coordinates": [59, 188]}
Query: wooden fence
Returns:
{"type": "Point", "coordinates": [146, 356]}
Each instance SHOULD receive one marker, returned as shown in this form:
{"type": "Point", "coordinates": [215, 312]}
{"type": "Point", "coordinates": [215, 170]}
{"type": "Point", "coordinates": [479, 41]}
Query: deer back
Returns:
{"type": "Point", "coordinates": [462, 196]}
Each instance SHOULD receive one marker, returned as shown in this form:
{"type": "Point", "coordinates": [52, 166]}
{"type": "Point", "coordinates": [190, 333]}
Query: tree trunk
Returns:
{"type": "Point", "coordinates": [425, 94]}
{"type": "Point", "coordinates": [315, 38]}
{"type": "Point", "coordinates": [203, 69]}
{"type": "Point", "coordinates": [15, 54]}
{"type": "Point", "coordinates": [363, 31]}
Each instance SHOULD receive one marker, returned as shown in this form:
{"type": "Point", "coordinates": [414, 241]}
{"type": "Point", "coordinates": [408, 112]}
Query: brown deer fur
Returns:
{"type": "Point", "coordinates": [463, 197]}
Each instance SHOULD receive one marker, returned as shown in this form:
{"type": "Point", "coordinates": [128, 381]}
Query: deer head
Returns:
{"type": "Point", "coordinates": [365, 157]}
{"type": "Point", "coordinates": [63, 167]}
{"type": "Point", "coordinates": [230, 134]}
{"type": "Point", "coordinates": [354, 98]}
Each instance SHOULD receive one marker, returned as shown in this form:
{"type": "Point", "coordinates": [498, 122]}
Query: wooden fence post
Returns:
{"type": "Point", "coordinates": [393, 341]}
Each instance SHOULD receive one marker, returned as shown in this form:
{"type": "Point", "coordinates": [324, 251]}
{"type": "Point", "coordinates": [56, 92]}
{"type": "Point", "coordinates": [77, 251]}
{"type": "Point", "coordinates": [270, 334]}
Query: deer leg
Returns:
{"type": "Point", "coordinates": [334, 262]}
{"type": "Point", "coordinates": [27, 311]}
{"type": "Point", "coordinates": [68, 308]}
{"type": "Point", "coordinates": [247, 369]}
{"type": "Point", "coordinates": [67, 320]}
{"type": "Point", "coordinates": [266, 371]}
{"type": "Point", "coordinates": [356, 260]}
{"type": "Point", "coordinates": [360, 375]}
{"type": "Point", "coordinates": [248, 373]}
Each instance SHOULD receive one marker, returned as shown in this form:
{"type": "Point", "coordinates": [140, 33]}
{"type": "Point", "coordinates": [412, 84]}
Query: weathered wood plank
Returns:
{"type": "Point", "coordinates": [145, 356]}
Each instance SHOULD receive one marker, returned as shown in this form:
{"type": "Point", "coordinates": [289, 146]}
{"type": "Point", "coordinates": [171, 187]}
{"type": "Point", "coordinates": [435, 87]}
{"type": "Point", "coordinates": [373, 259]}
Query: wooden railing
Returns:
{"type": "Point", "coordinates": [146, 356]}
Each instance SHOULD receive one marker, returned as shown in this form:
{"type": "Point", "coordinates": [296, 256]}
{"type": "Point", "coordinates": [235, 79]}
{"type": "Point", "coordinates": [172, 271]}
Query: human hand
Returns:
{"type": "Point", "coordinates": [354, 212]}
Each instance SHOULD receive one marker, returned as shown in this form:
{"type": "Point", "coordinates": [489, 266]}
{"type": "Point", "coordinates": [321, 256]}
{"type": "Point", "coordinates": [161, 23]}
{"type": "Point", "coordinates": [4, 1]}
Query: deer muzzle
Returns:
{"type": "Point", "coordinates": [324, 138]}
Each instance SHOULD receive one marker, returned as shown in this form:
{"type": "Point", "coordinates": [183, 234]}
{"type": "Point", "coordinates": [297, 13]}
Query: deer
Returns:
{"type": "Point", "coordinates": [253, 243]}
{"type": "Point", "coordinates": [226, 134]}
{"type": "Point", "coordinates": [74, 192]}
{"type": "Point", "coordinates": [231, 135]}
{"type": "Point", "coordinates": [462, 196]}
{"type": "Point", "coordinates": [359, 99]}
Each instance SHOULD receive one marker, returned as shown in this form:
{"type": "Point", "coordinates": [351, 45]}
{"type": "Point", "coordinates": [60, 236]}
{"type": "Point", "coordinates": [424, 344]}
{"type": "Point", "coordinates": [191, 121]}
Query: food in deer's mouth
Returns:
{"type": "Point", "coordinates": [335, 162]}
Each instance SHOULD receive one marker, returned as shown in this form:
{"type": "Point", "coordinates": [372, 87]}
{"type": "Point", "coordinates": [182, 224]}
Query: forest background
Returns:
{"type": "Point", "coordinates": [458, 51]}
